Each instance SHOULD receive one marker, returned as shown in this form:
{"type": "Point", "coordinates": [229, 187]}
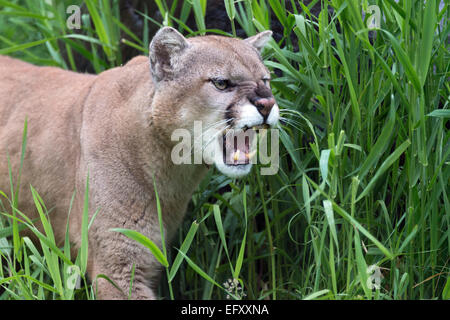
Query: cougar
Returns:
{"type": "Point", "coordinates": [116, 128]}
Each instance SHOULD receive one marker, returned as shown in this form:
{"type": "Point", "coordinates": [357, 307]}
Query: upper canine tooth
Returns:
{"type": "Point", "coordinates": [261, 126]}
{"type": "Point", "coordinates": [236, 155]}
{"type": "Point", "coordinates": [250, 155]}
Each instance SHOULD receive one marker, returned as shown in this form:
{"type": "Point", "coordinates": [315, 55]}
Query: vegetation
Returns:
{"type": "Point", "coordinates": [364, 156]}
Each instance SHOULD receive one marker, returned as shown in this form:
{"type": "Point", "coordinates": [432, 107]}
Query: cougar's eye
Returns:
{"type": "Point", "coordinates": [220, 84]}
{"type": "Point", "coordinates": [266, 81]}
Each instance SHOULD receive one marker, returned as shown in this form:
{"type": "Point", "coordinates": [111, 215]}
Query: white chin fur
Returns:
{"type": "Point", "coordinates": [234, 171]}
{"type": "Point", "coordinates": [249, 116]}
{"type": "Point", "coordinates": [274, 115]}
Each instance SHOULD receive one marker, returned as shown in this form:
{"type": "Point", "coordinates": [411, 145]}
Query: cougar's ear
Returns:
{"type": "Point", "coordinates": [165, 49]}
{"type": "Point", "coordinates": [260, 40]}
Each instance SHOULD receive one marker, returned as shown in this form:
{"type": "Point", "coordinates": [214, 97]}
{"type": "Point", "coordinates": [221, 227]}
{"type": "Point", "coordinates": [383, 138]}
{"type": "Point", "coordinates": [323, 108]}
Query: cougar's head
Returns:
{"type": "Point", "coordinates": [217, 89]}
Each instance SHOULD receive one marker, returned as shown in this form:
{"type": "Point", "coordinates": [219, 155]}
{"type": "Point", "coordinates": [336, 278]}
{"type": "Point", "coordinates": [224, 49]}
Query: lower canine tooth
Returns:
{"type": "Point", "coordinates": [250, 155]}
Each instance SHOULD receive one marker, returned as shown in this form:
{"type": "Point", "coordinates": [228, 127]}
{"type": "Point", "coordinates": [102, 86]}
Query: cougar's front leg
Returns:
{"type": "Point", "coordinates": [114, 254]}
{"type": "Point", "coordinates": [114, 257]}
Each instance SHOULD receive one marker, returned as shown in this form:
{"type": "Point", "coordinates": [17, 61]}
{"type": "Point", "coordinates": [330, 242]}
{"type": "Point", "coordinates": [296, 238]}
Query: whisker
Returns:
{"type": "Point", "coordinates": [218, 123]}
{"type": "Point", "coordinates": [210, 127]}
{"type": "Point", "coordinates": [291, 120]}
{"type": "Point", "coordinates": [213, 138]}
{"type": "Point", "coordinates": [290, 112]}
{"type": "Point", "coordinates": [291, 123]}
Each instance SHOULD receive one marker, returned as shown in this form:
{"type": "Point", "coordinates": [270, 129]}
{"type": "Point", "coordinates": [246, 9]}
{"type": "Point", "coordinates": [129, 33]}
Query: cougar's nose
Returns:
{"type": "Point", "coordinates": [264, 106]}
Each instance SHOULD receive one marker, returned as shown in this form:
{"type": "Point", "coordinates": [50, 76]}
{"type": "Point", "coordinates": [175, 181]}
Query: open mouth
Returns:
{"type": "Point", "coordinates": [238, 147]}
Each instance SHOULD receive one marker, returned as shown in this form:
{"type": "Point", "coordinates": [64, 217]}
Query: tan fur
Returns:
{"type": "Point", "coordinates": [116, 126]}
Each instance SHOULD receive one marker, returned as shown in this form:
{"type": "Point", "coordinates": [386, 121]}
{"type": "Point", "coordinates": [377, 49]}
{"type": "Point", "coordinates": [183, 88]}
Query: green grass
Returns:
{"type": "Point", "coordinates": [364, 158]}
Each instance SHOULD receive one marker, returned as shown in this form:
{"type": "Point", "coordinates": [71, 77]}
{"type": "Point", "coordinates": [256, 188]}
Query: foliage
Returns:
{"type": "Point", "coordinates": [364, 158]}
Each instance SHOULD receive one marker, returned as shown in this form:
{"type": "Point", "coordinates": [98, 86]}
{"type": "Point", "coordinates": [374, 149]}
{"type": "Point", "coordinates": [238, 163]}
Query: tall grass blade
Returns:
{"type": "Point", "coordinates": [146, 242]}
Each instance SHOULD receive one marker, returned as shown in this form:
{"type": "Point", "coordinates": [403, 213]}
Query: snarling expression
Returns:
{"type": "Point", "coordinates": [222, 83]}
